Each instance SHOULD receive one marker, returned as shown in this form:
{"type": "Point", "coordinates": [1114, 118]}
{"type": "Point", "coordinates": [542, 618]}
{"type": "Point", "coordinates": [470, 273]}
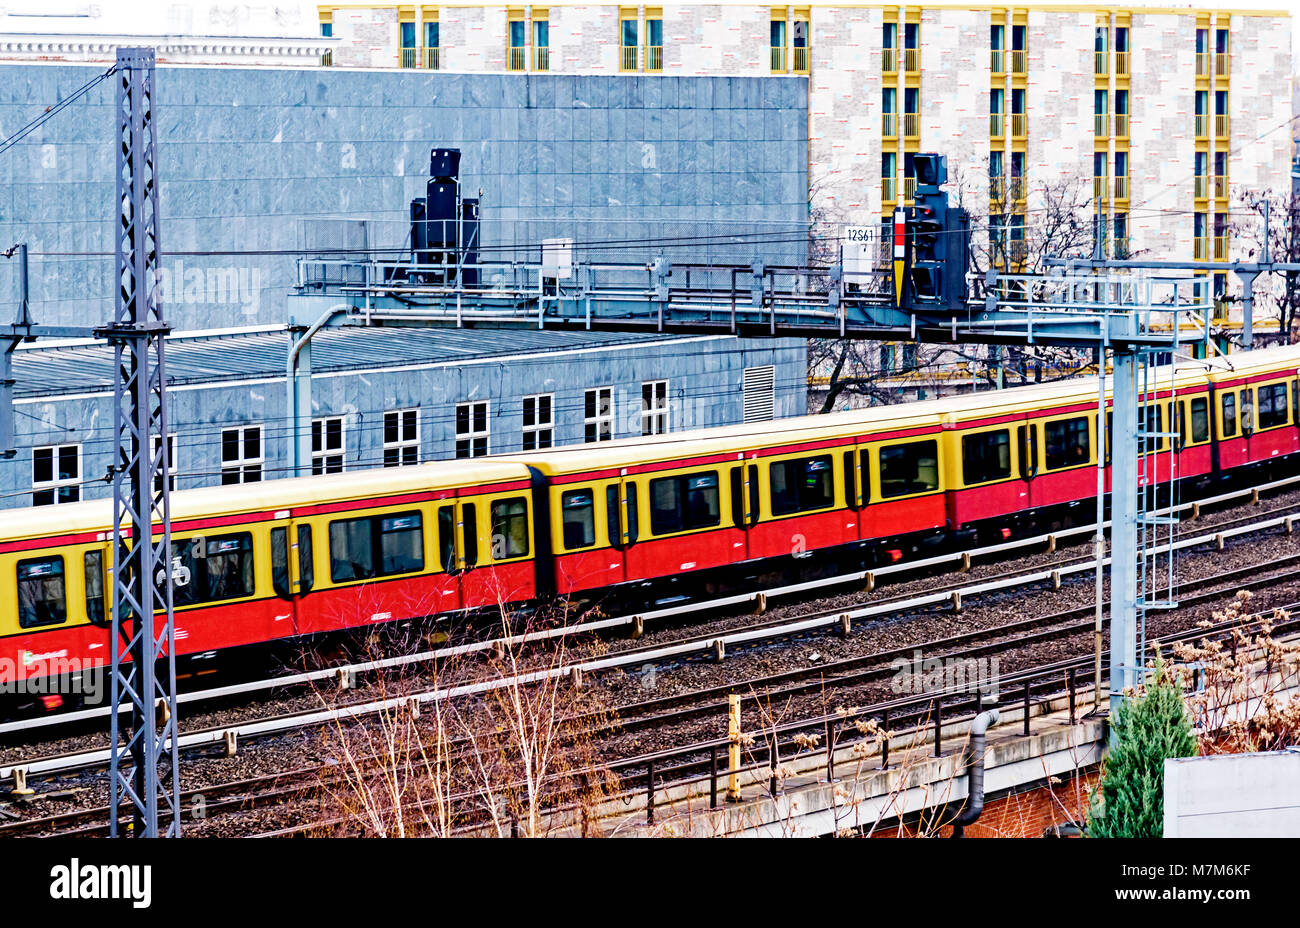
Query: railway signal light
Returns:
{"type": "Point", "coordinates": [938, 239]}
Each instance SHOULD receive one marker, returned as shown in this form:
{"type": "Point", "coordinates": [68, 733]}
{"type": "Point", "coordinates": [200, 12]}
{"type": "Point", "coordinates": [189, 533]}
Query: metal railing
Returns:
{"type": "Point", "coordinates": [1019, 128]}
{"type": "Point", "coordinates": [1121, 64]}
{"type": "Point", "coordinates": [1121, 187]}
{"type": "Point", "coordinates": [1017, 249]}
{"type": "Point", "coordinates": [997, 187]}
{"type": "Point", "coordinates": [1202, 125]}
{"type": "Point", "coordinates": [1101, 64]}
{"type": "Point", "coordinates": [778, 59]}
{"type": "Point", "coordinates": [1016, 189]}
{"type": "Point", "coordinates": [654, 57]}
{"type": "Point", "coordinates": [909, 188]}
{"type": "Point", "coordinates": [801, 59]}
{"type": "Point", "coordinates": [1100, 187]}
{"type": "Point", "coordinates": [912, 125]}
{"type": "Point", "coordinates": [1202, 187]}
{"type": "Point", "coordinates": [997, 61]}
{"type": "Point", "coordinates": [327, 59]}
{"type": "Point", "coordinates": [889, 60]}
{"type": "Point", "coordinates": [1220, 248]}
{"type": "Point", "coordinates": [542, 58]}
{"type": "Point", "coordinates": [1221, 126]}
{"type": "Point", "coordinates": [433, 58]}
{"type": "Point", "coordinates": [627, 57]}
{"type": "Point", "coordinates": [1119, 248]}
{"type": "Point", "coordinates": [1019, 61]}
{"type": "Point", "coordinates": [1200, 248]}
{"type": "Point", "coordinates": [911, 60]}
{"type": "Point", "coordinates": [1100, 124]}
{"type": "Point", "coordinates": [1121, 125]}
{"type": "Point", "coordinates": [1202, 64]}
{"type": "Point", "coordinates": [1220, 186]}
{"type": "Point", "coordinates": [997, 125]}
{"type": "Point", "coordinates": [888, 189]}
{"type": "Point", "coordinates": [889, 125]}
{"type": "Point", "coordinates": [517, 58]}
{"type": "Point", "coordinates": [408, 58]}
{"type": "Point", "coordinates": [1221, 64]}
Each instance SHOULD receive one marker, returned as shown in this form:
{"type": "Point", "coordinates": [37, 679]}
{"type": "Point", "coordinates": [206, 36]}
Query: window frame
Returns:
{"type": "Point", "coordinates": [1069, 439]}
{"type": "Point", "coordinates": [910, 443]}
{"type": "Point", "coordinates": [468, 440]}
{"type": "Point", "coordinates": [800, 508]}
{"type": "Point", "coordinates": [982, 435]}
{"type": "Point", "coordinates": [397, 451]}
{"type": "Point", "coordinates": [655, 408]}
{"type": "Point", "coordinates": [538, 428]}
{"type": "Point", "coordinates": [243, 469]}
{"type": "Point", "coordinates": [323, 456]}
{"type": "Point", "coordinates": [685, 518]}
{"type": "Point", "coordinates": [18, 590]}
{"type": "Point", "coordinates": [376, 539]}
{"type": "Point", "coordinates": [56, 484]}
{"type": "Point", "coordinates": [595, 422]}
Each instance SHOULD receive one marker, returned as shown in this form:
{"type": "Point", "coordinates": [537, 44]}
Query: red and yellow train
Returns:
{"type": "Point", "coordinates": [627, 522]}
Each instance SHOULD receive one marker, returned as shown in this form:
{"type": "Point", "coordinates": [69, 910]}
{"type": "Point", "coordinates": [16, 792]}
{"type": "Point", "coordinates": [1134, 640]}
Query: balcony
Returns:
{"type": "Point", "coordinates": [911, 60]}
{"type": "Point", "coordinates": [889, 60]}
{"type": "Point", "coordinates": [1099, 187]}
{"type": "Point", "coordinates": [1019, 60]}
{"type": "Point", "coordinates": [1202, 125]}
{"type": "Point", "coordinates": [1121, 125]}
{"type": "Point", "coordinates": [1221, 186]}
{"type": "Point", "coordinates": [627, 57]}
{"type": "Point", "coordinates": [1121, 187]}
{"type": "Point", "coordinates": [654, 57]}
{"type": "Point", "coordinates": [1017, 188]}
{"type": "Point", "coordinates": [1202, 187]}
{"type": "Point", "coordinates": [1121, 64]}
{"type": "Point", "coordinates": [778, 59]}
{"type": "Point", "coordinates": [1018, 126]}
{"type": "Point", "coordinates": [1017, 250]}
{"type": "Point", "coordinates": [433, 59]}
{"type": "Point", "coordinates": [888, 189]}
{"type": "Point", "coordinates": [1221, 126]}
{"type": "Point", "coordinates": [909, 189]}
{"type": "Point", "coordinates": [889, 125]}
{"type": "Point", "coordinates": [327, 59]}
{"type": "Point", "coordinates": [1202, 64]}
{"type": "Point", "coordinates": [912, 125]}
{"type": "Point", "coordinates": [1220, 248]}
{"type": "Point", "coordinates": [1200, 248]}
{"type": "Point", "coordinates": [1119, 248]}
{"type": "Point", "coordinates": [517, 58]}
{"type": "Point", "coordinates": [997, 125]}
{"type": "Point", "coordinates": [801, 59]}
{"type": "Point", "coordinates": [1100, 64]}
{"type": "Point", "coordinates": [1221, 64]}
{"type": "Point", "coordinates": [408, 58]}
{"type": "Point", "coordinates": [1100, 124]}
{"type": "Point", "coordinates": [997, 187]}
{"type": "Point", "coordinates": [998, 61]}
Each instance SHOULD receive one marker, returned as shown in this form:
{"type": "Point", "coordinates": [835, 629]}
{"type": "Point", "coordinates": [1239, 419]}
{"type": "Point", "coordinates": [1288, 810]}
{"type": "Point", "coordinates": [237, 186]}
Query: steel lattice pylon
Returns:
{"type": "Point", "coordinates": [144, 765]}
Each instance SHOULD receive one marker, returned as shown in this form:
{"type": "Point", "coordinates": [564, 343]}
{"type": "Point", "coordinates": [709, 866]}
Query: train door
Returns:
{"type": "Point", "coordinates": [1027, 462]}
{"type": "Point", "coordinates": [286, 575]}
{"type": "Point", "coordinates": [855, 491]}
{"type": "Point", "coordinates": [621, 526]}
{"type": "Point", "coordinates": [743, 483]}
{"type": "Point", "coordinates": [457, 551]}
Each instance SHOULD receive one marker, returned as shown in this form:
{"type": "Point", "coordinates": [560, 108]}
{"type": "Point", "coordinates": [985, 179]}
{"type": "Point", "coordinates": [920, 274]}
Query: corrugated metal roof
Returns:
{"type": "Point", "coordinates": [212, 358]}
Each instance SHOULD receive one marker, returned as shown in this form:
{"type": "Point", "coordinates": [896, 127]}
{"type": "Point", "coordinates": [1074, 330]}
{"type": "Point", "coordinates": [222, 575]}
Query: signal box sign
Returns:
{"type": "Point", "coordinates": [861, 248]}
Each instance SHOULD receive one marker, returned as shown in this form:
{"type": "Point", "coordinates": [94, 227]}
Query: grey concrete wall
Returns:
{"type": "Point", "coordinates": [1233, 796]}
{"type": "Point", "coordinates": [260, 160]}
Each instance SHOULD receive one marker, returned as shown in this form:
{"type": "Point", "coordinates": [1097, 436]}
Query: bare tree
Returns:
{"type": "Point", "coordinates": [1281, 300]}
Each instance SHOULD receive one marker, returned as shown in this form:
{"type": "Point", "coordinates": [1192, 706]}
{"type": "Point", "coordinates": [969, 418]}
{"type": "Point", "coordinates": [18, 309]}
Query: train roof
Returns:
{"type": "Point", "coordinates": [96, 515]}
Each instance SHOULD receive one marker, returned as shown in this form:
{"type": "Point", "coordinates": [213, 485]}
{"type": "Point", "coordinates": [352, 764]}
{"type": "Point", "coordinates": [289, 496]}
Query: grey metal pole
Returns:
{"type": "Point", "coordinates": [1099, 540]}
{"type": "Point", "coordinates": [1123, 526]}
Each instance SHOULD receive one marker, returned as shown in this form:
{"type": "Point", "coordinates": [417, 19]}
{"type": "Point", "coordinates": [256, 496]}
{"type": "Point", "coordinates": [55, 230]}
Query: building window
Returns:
{"type": "Point", "coordinates": [1019, 59]}
{"type": "Point", "coordinates": [401, 437]}
{"type": "Point", "coordinates": [1100, 51]}
{"type": "Point", "coordinates": [472, 429]}
{"type": "Point", "coordinates": [888, 177]}
{"type": "Point", "coordinates": [171, 462]}
{"type": "Point", "coordinates": [758, 394]}
{"type": "Point", "coordinates": [778, 43]}
{"type": "Point", "coordinates": [997, 44]}
{"type": "Point", "coordinates": [327, 32]}
{"type": "Point", "coordinates": [1018, 127]}
{"type": "Point", "coordinates": [1221, 52]}
{"type": "Point", "coordinates": [800, 52]}
{"type": "Point", "coordinates": [1121, 50]}
{"type": "Point", "coordinates": [997, 121]}
{"type": "Point", "coordinates": [1120, 244]}
{"type": "Point", "coordinates": [1121, 113]}
{"type": "Point", "coordinates": [409, 55]}
{"type": "Point", "coordinates": [890, 46]}
{"type": "Point", "coordinates": [912, 112]}
{"type": "Point", "coordinates": [432, 45]}
{"type": "Point", "coordinates": [912, 47]}
{"type": "Point", "coordinates": [1200, 238]}
{"type": "Point", "coordinates": [627, 32]}
{"type": "Point", "coordinates": [889, 112]}
{"type": "Point", "coordinates": [56, 475]}
{"type": "Point", "coordinates": [328, 445]}
{"type": "Point", "coordinates": [541, 42]}
{"type": "Point", "coordinates": [539, 421]}
{"type": "Point", "coordinates": [654, 40]}
{"type": "Point", "coordinates": [654, 407]}
{"type": "Point", "coordinates": [241, 454]}
{"type": "Point", "coordinates": [1121, 175]}
{"type": "Point", "coordinates": [517, 53]}
{"type": "Point", "coordinates": [598, 414]}
{"type": "Point", "coordinates": [1202, 52]}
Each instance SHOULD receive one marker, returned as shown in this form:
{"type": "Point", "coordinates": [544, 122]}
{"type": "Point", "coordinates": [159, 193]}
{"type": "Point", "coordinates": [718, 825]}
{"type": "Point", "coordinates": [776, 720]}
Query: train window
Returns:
{"type": "Point", "coordinates": [1027, 450]}
{"type": "Point", "coordinates": [280, 562]}
{"type": "Point", "coordinates": [401, 542]}
{"type": "Point", "coordinates": [1200, 419]}
{"type": "Point", "coordinates": [801, 485]}
{"type": "Point", "coordinates": [578, 514]}
{"type": "Point", "coordinates": [509, 528]}
{"type": "Point", "coordinates": [612, 506]}
{"type": "Point", "coordinates": [94, 568]}
{"type": "Point", "coordinates": [986, 456]}
{"type": "Point", "coordinates": [447, 536]}
{"type": "Point", "coordinates": [683, 503]}
{"type": "Point", "coordinates": [737, 495]}
{"type": "Point", "coordinates": [1247, 417]}
{"type": "Point", "coordinates": [1067, 442]}
{"type": "Point", "coordinates": [306, 569]}
{"type": "Point", "coordinates": [228, 567]}
{"type": "Point", "coordinates": [1154, 416]}
{"type": "Point", "coordinates": [42, 594]}
{"type": "Point", "coordinates": [1271, 402]}
{"type": "Point", "coordinates": [909, 468]}
{"type": "Point", "coordinates": [469, 528]}
{"type": "Point", "coordinates": [1229, 415]}
{"type": "Point", "coordinates": [376, 546]}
